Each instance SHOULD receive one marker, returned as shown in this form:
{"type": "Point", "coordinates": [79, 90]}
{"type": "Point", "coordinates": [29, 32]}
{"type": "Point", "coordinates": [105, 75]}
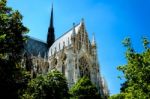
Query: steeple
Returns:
{"type": "Point", "coordinates": [51, 35]}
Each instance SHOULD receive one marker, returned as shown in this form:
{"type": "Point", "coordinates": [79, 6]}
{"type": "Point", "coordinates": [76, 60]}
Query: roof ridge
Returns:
{"type": "Point", "coordinates": [66, 32]}
{"type": "Point", "coordinates": [35, 39]}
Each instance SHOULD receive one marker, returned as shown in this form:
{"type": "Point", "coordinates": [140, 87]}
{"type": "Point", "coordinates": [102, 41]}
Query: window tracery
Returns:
{"type": "Point", "coordinates": [84, 67]}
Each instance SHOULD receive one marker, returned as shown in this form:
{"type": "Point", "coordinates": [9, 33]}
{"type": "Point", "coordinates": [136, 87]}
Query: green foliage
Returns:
{"type": "Point", "coordinates": [11, 31]}
{"type": "Point", "coordinates": [50, 86]}
{"type": "Point", "coordinates": [137, 74]}
{"type": "Point", "coordinates": [118, 96]}
{"type": "Point", "coordinates": [84, 89]}
{"type": "Point", "coordinates": [12, 77]}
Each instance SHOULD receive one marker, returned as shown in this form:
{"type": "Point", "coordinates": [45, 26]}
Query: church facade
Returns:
{"type": "Point", "coordinates": [73, 54]}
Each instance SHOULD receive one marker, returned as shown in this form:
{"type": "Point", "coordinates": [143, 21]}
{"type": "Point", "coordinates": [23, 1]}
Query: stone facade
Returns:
{"type": "Point", "coordinates": [74, 55]}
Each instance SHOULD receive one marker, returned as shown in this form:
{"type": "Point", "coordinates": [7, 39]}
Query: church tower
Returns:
{"type": "Point", "coordinates": [51, 35]}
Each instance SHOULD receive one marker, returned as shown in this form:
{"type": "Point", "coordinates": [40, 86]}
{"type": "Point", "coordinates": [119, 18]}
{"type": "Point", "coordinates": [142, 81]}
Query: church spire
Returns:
{"type": "Point", "coordinates": [51, 20]}
{"type": "Point", "coordinates": [51, 35]}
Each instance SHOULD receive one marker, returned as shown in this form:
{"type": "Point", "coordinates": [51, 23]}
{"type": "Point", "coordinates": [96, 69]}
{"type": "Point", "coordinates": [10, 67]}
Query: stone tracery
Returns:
{"type": "Point", "coordinates": [84, 67]}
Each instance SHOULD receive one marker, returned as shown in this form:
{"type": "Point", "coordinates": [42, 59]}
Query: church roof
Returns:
{"type": "Point", "coordinates": [64, 40]}
{"type": "Point", "coordinates": [35, 47]}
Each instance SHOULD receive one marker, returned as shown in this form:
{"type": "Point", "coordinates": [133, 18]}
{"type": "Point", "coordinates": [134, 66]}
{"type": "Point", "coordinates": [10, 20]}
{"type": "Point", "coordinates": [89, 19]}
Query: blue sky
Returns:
{"type": "Point", "coordinates": [110, 20]}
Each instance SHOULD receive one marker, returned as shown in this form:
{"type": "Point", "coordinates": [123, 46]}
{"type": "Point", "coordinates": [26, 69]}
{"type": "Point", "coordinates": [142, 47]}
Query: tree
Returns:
{"type": "Point", "coordinates": [11, 31]}
{"type": "Point", "coordinates": [12, 76]}
{"type": "Point", "coordinates": [50, 86]}
{"type": "Point", "coordinates": [136, 72]}
{"type": "Point", "coordinates": [84, 89]}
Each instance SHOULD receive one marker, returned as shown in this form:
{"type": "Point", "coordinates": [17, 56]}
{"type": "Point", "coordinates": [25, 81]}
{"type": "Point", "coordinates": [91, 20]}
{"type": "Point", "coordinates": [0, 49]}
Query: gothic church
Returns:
{"type": "Point", "coordinates": [73, 54]}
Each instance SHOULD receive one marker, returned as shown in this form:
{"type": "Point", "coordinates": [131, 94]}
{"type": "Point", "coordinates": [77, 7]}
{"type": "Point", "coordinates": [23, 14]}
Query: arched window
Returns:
{"type": "Point", "coordinates": [84, 67]}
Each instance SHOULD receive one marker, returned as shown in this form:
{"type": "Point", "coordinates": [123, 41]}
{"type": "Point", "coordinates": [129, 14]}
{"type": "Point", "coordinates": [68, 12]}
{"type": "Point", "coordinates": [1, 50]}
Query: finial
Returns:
{"type": "Point", "coordinates": [82, 20]}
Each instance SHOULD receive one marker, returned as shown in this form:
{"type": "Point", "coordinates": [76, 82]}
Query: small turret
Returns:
{"type": "Point", "coordinates": [93, 43]}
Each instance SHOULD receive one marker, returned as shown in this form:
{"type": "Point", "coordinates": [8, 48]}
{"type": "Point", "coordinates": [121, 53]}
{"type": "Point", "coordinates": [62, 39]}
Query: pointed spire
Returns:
{"type": "Point", "coordinates": [51, 34]}
{"type": "Point", "coordinates": [84, 31]}
{"type": "Point", "coordinates": [51, 20]}
{"type": "Point", "coordinates": [73, 31]}
{"type": "Point", "coordinates": [93, 40]}
{"type": "Point", "coordinates": [83, 36]}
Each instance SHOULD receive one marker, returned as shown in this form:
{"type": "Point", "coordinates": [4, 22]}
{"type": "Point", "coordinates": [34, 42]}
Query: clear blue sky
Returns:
{"type": "Point", "coordinates": [110, 20]}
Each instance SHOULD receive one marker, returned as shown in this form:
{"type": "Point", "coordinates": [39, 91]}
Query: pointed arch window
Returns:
{"type": "Point", "coordinates": [84, 67]}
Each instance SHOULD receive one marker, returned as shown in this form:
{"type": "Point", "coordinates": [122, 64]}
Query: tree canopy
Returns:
{"type": "Point", "coordinates": [12, 76]}
{"type": "Point", "coordinates": [49, 86]}
{"type": "Point", "coordinates": [84, 89]}
{"type": "Point", "coordinates": [136, 72]}
{"type": "Point", "coordinates": [11, 30]}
